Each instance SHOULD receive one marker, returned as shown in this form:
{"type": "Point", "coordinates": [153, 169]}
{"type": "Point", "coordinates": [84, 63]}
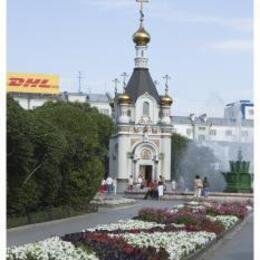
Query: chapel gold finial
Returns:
{"type": "Point", "coordinates": [141, 37]}
{"type": "Point", "coordinates": [142, 10]}
{"type": "Point", "coordinates": [166, 100]}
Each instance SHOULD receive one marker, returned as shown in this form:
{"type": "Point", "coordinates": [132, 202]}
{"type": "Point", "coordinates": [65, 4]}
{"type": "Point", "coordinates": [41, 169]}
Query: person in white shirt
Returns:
{"type": "Point", "coordinates": [140, 182]}
{"type": "Point", "coordinates": [109, 183]}
{"type": "Point", "coordinates": [173, 185]}
{"type": "Point", "coordinates": [198, 185]}
{"type": "Point", "coordinates": [160, 189]}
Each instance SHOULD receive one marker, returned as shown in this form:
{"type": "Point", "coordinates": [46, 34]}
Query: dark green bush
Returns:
{"type": "Point", "coordinates": [56, 155]}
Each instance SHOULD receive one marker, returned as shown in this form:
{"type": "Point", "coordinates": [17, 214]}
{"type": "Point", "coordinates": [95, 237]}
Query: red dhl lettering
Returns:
{"type": "Point", "coordinates": [28, 83]}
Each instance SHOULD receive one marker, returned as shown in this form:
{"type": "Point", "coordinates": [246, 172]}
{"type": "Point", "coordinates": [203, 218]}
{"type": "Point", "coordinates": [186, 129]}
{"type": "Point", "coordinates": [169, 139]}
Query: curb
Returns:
{"type": "Point", "coordinates": [214, 244]}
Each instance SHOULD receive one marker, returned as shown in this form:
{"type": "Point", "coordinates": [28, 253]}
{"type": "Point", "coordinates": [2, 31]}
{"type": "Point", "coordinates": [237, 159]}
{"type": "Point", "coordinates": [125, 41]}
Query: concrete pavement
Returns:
{"type": "Point", "coordinates": [36, 232]}
{"type": "Point", "coordinates": [237, 245]}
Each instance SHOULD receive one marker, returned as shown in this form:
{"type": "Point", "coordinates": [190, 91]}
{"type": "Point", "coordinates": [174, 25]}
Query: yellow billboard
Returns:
{"type": "Point", "coordinates": [32, 83]}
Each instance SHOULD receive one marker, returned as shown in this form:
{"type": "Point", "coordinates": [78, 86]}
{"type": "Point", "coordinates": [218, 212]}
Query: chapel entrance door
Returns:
{"type": "Point", "coordinates": [147, 172]}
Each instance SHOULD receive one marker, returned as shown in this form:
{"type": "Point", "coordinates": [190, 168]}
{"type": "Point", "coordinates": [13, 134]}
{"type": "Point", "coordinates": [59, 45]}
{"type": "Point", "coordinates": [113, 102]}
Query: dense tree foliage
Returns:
{"type": "Point", "coordinates": [56, 155]}
{"type": "Point", "coordinates": [179, 145]}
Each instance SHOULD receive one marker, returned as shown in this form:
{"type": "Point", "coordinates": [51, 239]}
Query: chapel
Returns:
{"type": "Point", "coordinates": [141, 144]}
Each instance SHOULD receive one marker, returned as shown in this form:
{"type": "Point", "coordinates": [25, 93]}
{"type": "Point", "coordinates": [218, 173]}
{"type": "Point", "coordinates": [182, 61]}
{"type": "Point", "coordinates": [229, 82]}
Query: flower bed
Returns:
{"type": "Point", "coordinates": [129, 224]}
{"type": "Point", "coordinates": [155, 234]}
{"type": "Point", "coordinates": [52, 248]}
{"type": "Point", "coordinates": [176, 244]}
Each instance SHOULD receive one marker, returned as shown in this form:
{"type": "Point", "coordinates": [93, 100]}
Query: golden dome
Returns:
{"type": "Point", "coordinates": [166, 100]}
{"type": "Point", "coordinates": [124, 99]}
{"type": "Point", "coordinates": [141, 37]}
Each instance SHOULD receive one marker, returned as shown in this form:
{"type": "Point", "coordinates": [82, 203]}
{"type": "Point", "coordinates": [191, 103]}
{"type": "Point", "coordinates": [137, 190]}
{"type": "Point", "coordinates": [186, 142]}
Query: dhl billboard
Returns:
{"type": "Point", "coordinates": [32, 83]}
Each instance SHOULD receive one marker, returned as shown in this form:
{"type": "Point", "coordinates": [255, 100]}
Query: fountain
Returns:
{"type": "Point", "coordinates": [238, 179]}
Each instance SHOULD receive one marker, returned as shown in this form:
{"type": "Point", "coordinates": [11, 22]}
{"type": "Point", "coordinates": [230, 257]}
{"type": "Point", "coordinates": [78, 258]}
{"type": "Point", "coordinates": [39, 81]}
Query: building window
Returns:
{"type": "Point", "coordinates": [228, 132]}
{"type": "Point", "coordinates": [146, 109]}
{"type": "Point", "coordinates": [244, 133]}
{"type": "Point", "coordinates": [201, 137]}
{"type": "Point", "coordinates": [129, 113]}
{"type": "Point", "coordinates": [188, 131]}
{"type": "Point", "coordinates": [213, 132]}
{"type": "Point", "coordinates": [202, 128]}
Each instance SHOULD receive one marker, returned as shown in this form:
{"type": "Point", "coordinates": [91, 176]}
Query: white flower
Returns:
{"type": "Point", "coordinates": [227, 221]}
{"type": "Point", "coordinates": [52, 248]}
{"type": "Point", "coordinates": [177, 244]}
{"type": "Point", "coordinates": [127, 225]}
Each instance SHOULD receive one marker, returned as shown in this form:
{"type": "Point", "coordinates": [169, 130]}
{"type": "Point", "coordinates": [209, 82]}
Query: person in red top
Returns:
{"type": "Point", "coordinates": [102, 189]}
{"type": "Point", "coordinates": [151, 190]}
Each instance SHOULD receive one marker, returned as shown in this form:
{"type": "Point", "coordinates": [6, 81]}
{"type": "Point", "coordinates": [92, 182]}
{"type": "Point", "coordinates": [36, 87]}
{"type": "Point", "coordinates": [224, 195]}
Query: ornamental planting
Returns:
{"type": "Point", "coordinates": [154, 234]}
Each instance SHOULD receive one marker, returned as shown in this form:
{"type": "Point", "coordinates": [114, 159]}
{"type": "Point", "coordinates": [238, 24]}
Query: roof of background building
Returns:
{"type": "Point", "coordinates": [139, 83]}
{"type": "Point", "coordinates": [217, 121]}
{"type": "Point", "coordinates": [99, 97]}
{"type": "Point", "coordinates": [241, 102]}
{"type": "Point", "coordinates": [91, 97]}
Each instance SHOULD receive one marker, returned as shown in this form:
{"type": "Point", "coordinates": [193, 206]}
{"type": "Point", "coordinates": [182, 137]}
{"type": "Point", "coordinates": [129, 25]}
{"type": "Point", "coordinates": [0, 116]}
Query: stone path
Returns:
{"type": "Point", "coordinates": [36, 232]}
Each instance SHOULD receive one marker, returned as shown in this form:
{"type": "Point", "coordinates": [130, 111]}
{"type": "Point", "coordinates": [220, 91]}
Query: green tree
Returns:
{"type": "Point", "coordinates": [82, 166]}
{"type": "Point", "coordinates": [20, 161]}
{"type": "Point", "coordinates": [179, 144]}
{"type": "Point", "coordinates": [56, 155]}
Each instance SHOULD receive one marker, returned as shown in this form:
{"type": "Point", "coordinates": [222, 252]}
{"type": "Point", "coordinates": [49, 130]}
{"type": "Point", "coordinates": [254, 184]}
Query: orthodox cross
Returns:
{"type": "Point", "coordinates": [116, 81]}
{"type": "Point", "coordinates": [124, 75]}
{"type": "Point", "coordinates": [167, 78]}
{"type": "Point", "coordinates": [141, 9]}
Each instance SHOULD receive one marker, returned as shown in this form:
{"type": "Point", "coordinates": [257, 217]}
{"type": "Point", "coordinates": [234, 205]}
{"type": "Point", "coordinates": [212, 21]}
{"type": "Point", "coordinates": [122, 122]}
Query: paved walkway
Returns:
{"type": "Point", "coordinates": [36, 232]}
{"type": "Point", "coordinates": [237, 245]}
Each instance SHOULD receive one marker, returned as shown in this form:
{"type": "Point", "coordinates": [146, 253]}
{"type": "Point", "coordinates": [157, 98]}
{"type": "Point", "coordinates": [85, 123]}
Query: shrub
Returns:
{"type": "Point", "coordinates": [56, 155]}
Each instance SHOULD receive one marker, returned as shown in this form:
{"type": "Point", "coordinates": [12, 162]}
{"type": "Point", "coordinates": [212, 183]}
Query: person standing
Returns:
{"type": "Point", "coordinates": [160, 189]}
{"type": "Point", "coordinates": [173, 185]}
{"type": "Point", "coordinates": [162, 180]}
{"type": "Point", "coordinates": [155, 193]}
{"type": "Point", "coordinates": [150, 191]}
{"type": "Point", "coordinates": [198, 185]}
{"type": "Point", "coordinates": [140, 180]}
{"type": "Point", "coordinates": [205, 190]}
{"type": "Point", "coordinates": [109, 183]}
{"type": "Point", "coordinates": [130, 183]}
{"type": "Point", "coordinates": [102, 189]}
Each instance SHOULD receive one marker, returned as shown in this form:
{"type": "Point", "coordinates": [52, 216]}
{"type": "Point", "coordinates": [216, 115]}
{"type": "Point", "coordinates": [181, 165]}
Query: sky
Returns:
{"type": "Point", "coordinates": [205, 46]}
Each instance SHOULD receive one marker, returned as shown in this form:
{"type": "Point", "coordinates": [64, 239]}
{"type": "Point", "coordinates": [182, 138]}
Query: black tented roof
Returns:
{"type": "Point", "coordinates": [139, 83]}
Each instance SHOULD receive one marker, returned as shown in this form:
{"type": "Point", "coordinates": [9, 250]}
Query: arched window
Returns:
{"type": "Point", "coordinates": [146, 108]}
